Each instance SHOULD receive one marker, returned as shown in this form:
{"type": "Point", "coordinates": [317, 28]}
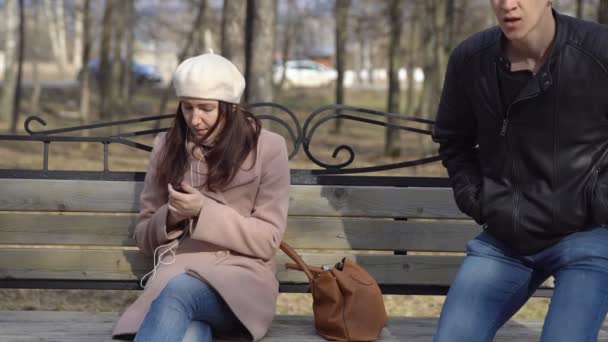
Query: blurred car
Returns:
{"type": "Point", "coordinates": [141, 74]}
{"type": "Point", "coordinates": [304, 73]}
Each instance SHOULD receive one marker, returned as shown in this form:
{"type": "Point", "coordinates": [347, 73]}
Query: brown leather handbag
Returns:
{"type": "Point", "coordinates": [347, 302]}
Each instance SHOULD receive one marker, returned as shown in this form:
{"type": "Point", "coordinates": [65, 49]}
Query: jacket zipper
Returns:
{"type": "Point", "coordinates": [596, 173]}
{"type": "Point", "coordinates": [503, 133]}
{"type": "Point", "coordinates": [517, 192]}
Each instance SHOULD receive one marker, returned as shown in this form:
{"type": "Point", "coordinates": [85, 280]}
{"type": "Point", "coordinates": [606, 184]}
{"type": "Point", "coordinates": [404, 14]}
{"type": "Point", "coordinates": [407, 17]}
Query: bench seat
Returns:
{"type": "Point", "coordinates": [43, 326]}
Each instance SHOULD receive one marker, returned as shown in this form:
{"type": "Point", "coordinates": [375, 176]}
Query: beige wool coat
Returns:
{"type": "Point", "coordinates": [233, 242]}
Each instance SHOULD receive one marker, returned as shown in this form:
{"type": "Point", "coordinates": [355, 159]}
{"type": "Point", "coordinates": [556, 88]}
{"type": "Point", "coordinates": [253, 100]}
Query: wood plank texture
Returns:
{"type": "Point", "coordinates": [21, 326]}
{"type": "Point", "coordinates": [102, 229]}
{"type": "Point", "coordinates": [97, 327]}
{"type": "Point", "coordinates": [421, 329]}
{"type": "Point", "coordinates": [128, 265]}
{"type": "Point", "coordinates": [306, 200]}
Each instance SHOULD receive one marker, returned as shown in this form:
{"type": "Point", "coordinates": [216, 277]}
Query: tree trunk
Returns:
{"type": "Point", "coordinates": [341, 14]}
{"type": "Point", "coordinates": [431, 40]}
{"type": "Point", "coordinates": [10, 74]}
{"type": "Point", "coordinates": [412, 60]}
{"type": "Point", "coordinates": [201, 45]}
{"type": "Point", "coordinates": [105, 70]}
{"type": "Point", "coordinates": [56, 22]}
{"type": "Point", "coordinates": [118, 62]}
{"type": "Point", "coordinates": [63, 51]}
{"type": "Point", "coordinates": [288, 32]}
{"type": "Point", "coordinates": [450, 25]}
{"type": "Point", "coordinates": [580, 4]}
{"type": "Point", "coordinates": [603, 12]}
{"type": "Point", "coordinates": [17, 100]}
{"type": "Point", "coordinates": [85, 96]}
{"type": "Point", "coordinates": [233, 32]}
{"type": "Point", "coordinates": [37, 89]}
{"type": "Point", "coordinates": [259, 71]}
{"type": "Point", "coordinates": [392, 144]}
{"type": "Point", "coordinates": [78, 40]}
{"type": "Point", "coordinates": [130, 31]}
{"type": "Point", "coordinates": [186, 49]}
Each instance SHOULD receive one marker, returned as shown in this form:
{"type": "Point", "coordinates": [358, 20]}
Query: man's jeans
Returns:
{"type": "Point", "coordinates": [188, 309]}
{"type": "Point", "coordinates": [494, 282]}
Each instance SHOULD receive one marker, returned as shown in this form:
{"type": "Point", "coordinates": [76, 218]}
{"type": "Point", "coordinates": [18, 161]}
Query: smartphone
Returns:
{"type": "Point", "coordinates": [178, 188]}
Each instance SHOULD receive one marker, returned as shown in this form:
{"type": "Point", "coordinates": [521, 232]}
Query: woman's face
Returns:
{"type": "Point", "coordinates": [200, 115]}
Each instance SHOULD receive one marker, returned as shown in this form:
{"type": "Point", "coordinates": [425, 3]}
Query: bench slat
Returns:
{"type": "Point", "coordinates": [126, 265]}
{"type": "Point", "coordinates": [318, 233]}
{"type": "Point", "coordinates": [96, 327]}
{"type": "Point", "coordinates": [306, 200]}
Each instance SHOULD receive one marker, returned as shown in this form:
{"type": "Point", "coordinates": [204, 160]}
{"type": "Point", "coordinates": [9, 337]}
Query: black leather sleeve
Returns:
{"type": "Point", "coordinates": [455, 131]}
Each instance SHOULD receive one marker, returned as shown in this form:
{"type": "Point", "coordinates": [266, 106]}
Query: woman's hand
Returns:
{"type": "Point", "coordinates": [184, 205]}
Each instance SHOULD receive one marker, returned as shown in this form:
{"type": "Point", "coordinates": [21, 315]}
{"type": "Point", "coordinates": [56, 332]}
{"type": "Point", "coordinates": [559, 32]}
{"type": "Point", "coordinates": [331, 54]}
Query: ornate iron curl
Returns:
{"type": "Point", "coordinates": [85, 127]}
{"type": "Point", "coordinates": [119, 138]}
{"type": "Point", "coordinates": [122, 137]}
{"type": "Point", "coordinates": [296, 136]}
{"type": "Point", "coordinates": [340, 167]}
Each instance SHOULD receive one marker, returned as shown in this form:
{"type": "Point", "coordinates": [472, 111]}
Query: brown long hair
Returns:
{"type": "Point", "coordinates": [238, 138]}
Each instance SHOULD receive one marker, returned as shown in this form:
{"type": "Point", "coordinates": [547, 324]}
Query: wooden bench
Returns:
{"type": "Point", "coordinates": [72, 230]}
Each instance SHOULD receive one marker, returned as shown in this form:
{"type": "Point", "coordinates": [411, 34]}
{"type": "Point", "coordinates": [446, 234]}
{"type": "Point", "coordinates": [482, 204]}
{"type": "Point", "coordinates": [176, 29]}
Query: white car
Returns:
{"type": "Point", "coordinates": [304, 73]}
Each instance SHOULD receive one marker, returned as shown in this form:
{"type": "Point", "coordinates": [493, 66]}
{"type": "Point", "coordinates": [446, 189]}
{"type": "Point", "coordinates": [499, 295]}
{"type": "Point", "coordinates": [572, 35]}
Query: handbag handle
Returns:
{"type": "Point", "coordinates": [286, 248]}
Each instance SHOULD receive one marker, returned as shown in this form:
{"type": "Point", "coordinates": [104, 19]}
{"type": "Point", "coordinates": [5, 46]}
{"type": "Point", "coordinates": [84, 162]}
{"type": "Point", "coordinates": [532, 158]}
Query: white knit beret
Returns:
{"type": "Point", "coordinates": [210, 77]}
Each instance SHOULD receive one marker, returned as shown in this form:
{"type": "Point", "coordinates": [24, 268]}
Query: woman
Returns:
{"type": "Point", "coordinates": [213, 210]}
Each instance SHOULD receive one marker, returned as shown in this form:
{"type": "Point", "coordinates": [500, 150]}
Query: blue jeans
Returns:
{"type": "Point", "coordinates": [494, 282]}
{"type": "Point", "coordinates": [188, 309]}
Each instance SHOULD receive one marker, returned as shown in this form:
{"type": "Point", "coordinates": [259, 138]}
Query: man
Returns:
{"type": "Point", "coordinates": [523, 132]}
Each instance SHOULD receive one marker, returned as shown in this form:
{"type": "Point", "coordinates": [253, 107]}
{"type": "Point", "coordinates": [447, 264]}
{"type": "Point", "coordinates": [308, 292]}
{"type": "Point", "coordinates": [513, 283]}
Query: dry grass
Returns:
{"type": "Point", "coordinates": [365, 140]}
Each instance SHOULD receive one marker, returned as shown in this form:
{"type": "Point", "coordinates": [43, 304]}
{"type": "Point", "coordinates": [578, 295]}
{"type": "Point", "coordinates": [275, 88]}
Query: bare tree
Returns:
{"type": "Point", "coordinates": [105, 70]}
{"type": "Point", "coordinates": [434, 55]}
{"type": "Point", "coordinates": [57, 32]}
{"type": "Point", "coordinates": [85, 96]}
{"type": "Point", "coordinates": [288, 32]}
{"type": "Point", "coordinates": [580, 4]}
{"type": "Point", "coordinates": [37, 89]}
{"type": "Point", "coordinates": [603, 12]}
{"type": "Point", "coordinates": [10, 74]}
{"type": "Point", "coordinates": [341, 14]}
{"type": "Point", "coordinates": [201, 44]}
{"type": "Point", "coordinates": [261, 50]}
{"type": "Point", "coordinates": [392, 137]}
{"type": "Point", "coordinates": [202, 5]}
{"type": "Point", "coordinates": [412, 54]}
{"type": "Point", "coordinates": [129, 24]}
{"type": "Point", "coordinates": [118, 63]}
{"type": "Point", "coordinates": [78, 39]}
{"type": "Point", "coordinates": [233, 32]}
{"type": "Point", "coordinates": [17, 100]}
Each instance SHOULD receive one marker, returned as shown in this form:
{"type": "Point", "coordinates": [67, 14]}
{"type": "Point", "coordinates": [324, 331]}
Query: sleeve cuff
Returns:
{"type": "Point", "coordinates": [162, 233]}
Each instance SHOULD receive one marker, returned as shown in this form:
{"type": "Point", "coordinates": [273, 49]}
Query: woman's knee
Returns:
{"type": "Point", "coordinates": [181, 292]}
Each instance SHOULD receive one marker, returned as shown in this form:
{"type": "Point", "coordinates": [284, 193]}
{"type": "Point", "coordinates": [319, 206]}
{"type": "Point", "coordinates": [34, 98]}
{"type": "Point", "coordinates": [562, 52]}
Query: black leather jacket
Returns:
{"type": "Point", "coordinates": [536, 171]}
